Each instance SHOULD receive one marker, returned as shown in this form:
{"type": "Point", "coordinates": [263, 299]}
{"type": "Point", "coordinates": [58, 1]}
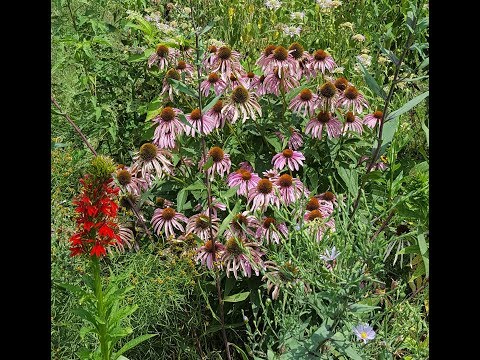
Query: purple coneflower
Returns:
{"type": "Point", "coordinates": [275, 84]}
{"type": "Point", "coordinates": [226, 61]}
{"type": "Point", "coordinates": [328, 96]}
{"type": "Point", "coordinates": [240, 255]}
{"type": "Point", "coordinates": [351, 98]}
{"type": "Point", "coordinates": [221, 162]}
{"type": "Point", "coordinates": [328, 197]}
{"type": "Point", "coordinates": [152, 160]}
{"type": "Point", "coordinates": [277, 277]}
{"type": "Point", "coordinates": [162, 56]}
{"type": "Point", "coordinates": [282, 60]}
{"type": "Point", "coordinates": [323, 119]}
{"type": "Point", "coordinates": [241, 102]}
{"type": "Point", "coordinates": [215, 112]}
{"type": "Point", "coordinates": [271, 174]}
{"type": "Point", "coordinates": [198, 224]}
{"type": "Point", "coordinates": [321, 61]}
{"type": "Point", "coordinates": [296, 141]}
{"type": "Point", "coordinates": [364, 332]}
{"type": "Point", "coordinates": [130, 182]}
{"type": "Point", "coordinates": [214, 80]}
{"type": "Point", "coordinates": [168, 123]}
{"type": "Point", "coordinates": [171, 74]}
{"type": "Point", "coordinates": [291, 158]}
{"type": "Point", "coordinates": [167, 219]}
{"type": "Point", "coordinates": [353, 123]}
{"type": "Point", "coordinates": [216, 205]}
{"type": "Point", "coordinates": [305, 101]}
{"type": "Point", "coordinates": [249, 80]}
{"type": "Point", "coordinates": [271, 231]}
{"type": "Point", "coordinates": [291, 189]}
{"type": "Point", "coordinates": [302, 57]}
{"type": "Point", "coordinates": [243, 177]}
{"type": "Point", "coordinates": [162, 202]}
{"type": "Point", "coordinates": [183, 67]}
{"type": "Point", "coordinates": [209, 57]}
{"type": "Point", "coordinates": [234, 81]}
{"type": "Point", "coordinates": [341, 84]}
{"type": "Point", "coordinates": [258, 86]}
{"type": "Point", "coordinates": [246, 166]}
{"type": "Point", "coordinates": [263, 195]}
{"type": "Point", "coordinates": [242, 225]}
{"type": "Point", "coordinates": [325, 207]}
{"type": "Point", "coordinates": [318, 223]}
{"type": "Point", "coordinates": [126, 238]}
{"type": "Point", "coordinates": [195, 118]}
{"type": "Point", "coordinates": [206, 253]}
{"type": "Point", "coordinates": [381, 164]}
{"type": "Point", "coordinates": [371, 120]}
{"type": "Point", "coordinates": [262, 60]}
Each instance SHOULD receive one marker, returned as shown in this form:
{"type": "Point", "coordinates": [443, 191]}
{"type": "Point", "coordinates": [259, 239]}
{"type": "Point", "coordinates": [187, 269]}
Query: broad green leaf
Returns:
{"type": "Point", "coordinates": [230, 192]}
{"type": "Point", "coordinates": [275, 142]}
{"type": "Point", "coordinates": [206, 28]}
{"type": "Point", "coordinates": [74, 289]}
{"type": "Point", "coordinates": [197, 185]}
{"type": "Point", "coordinates": [236, 297]}
{"type": "Point", "coordinates": [409, 105]}
{"type": "Point", "coordinates": [413, 249]}
{"type": "Point", "coordinates": [131, 344]}
{"type": "Point", "coordinates": [361, 308]}
{"type": "Point", "coordinates": [372, 84]}
{"type": "Point", "coordinates": [350, 177]}
{"type": "Point", "coordinates": [318, 337]}
{"type": "Point", "coordinates": [181, 197]}
{"type": "Point", "coordinates": [180, 86]}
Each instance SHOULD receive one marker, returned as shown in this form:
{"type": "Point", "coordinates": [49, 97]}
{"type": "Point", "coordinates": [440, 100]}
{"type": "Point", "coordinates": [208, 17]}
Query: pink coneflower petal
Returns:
{"type": "Point", "coordinates": [263, 195]}
{"type": "Point", "coordinates": [151, 160]}
{"type": "Point", "coordinates": [290, 189]}
{"type": "Point", "coordinates": [219, 85]}
{"type": "Point", "coordinates": [352, 99]}
{"type": "Point", "coordinates": [221, 162]}
{"type": "Point", "coordinates": [282, 60]}
{"type": "Point", "coordinates": [199, 225]}
{"type": "Point", "coordinates": [319, 224]}
{"type": "Point", "coordinates": [241, 102]}
{"type": "Point", "coordinates": [321, 62]}
{"type": "Point", "coordinates": [205, 254]}
{"type": "Point", "coordinates": [296, 141]}
{"type": "Point", "coordinates": [275, 83]}
{"type": "Point", "coordinates": [305, 102]}
{"type": "Point", "coordinates": [195, 118]}
{"type": "Point", "coordinates": [167, 219]}
{"type": "Point", "coordinates": [291, 158]}
{"type": "Point", "coordinates": [371, 120]}
{"type": "Point", "coordinates": [271, 231]}
{"type": "Point", "coordinates": [243, 256]}
{"type": "Point", "coordinates": [162, 57]}
{"type": "Point", "coordinates": [215, 112]}
{"type": "Point", "coordinates": [323, 119]}
{"type": "Point", "coordinates": [353, 123]}
{"type": "Point", "coordinates": [130, 182]}
{"type": "Point", "coordinates": [245, 179]}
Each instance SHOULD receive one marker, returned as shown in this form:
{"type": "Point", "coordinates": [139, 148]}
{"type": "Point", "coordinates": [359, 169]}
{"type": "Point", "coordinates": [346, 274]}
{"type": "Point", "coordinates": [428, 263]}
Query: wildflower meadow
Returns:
{"type": "Point", "coordinates": [239, 179]}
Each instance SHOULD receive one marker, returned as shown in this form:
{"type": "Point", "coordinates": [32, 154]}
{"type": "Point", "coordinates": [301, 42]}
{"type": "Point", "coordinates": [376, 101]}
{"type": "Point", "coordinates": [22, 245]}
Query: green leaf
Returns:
{"type": "Point", "coordinates": [361, 308]}
{"type": "Point", "coordinates": [85, 315]}
{"type": "Point", "coordinates": [413, 249]}
{"type": "Point", "coordinates": [208, 164]}
{"type": "Point", "coordinates": [227, 220]}
{"type": "Point", "coordinates": [217, 327]}
{"type": "Point", "coordinates": [240, 351]}
{"type": "Point", "coordinates": [409, 105]}
{"type": "Point", "coordinates": [275, 142]}
{"type": "Point", "coordinates": [236, 297]}
{"type": "Point", "coordinates": [180, 86]}
{"type": "Point", "coordinates": [197, 185]}
{"type": "Point", "coordinates": [427, 133]}
{"type": "Point", "coordinates": [318, 337]}
{"type": "Point", "coordinates": [131, 344]}
{"type": "Point", "coordinates": [84, 353]}
{"type": "Point", "coordinates": [372, 84]}
{"type": "Point", "coordinates": [74, 289]}
{"type": "Point", "coordinates": [206, 28]}
{"type": "Point", "coordinates": [230, 192]}
{"type": "Point", "coordinates": [211, 103]}
{"type": "Point", "coordinates": [350, 177]}
{"type": "Point", "coordinates": [181, 197]}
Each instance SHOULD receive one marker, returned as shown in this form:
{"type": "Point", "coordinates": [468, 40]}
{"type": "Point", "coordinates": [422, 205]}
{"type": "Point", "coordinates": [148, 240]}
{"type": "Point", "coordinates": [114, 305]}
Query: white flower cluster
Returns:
{"type": "Point", "coordinates": [273, 4]}
{"type": "Point", "coordinates": [329, 4]}
{"type": "Point", "coordinates": [292, 30]}
{"type": "Point", "coordinates": [297, 15]}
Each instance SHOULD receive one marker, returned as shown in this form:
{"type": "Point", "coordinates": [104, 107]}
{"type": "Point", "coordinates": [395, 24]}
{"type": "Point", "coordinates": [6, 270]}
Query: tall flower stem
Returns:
{"type": "Point", "coordinates": [207, 183]}
{"type": "Point", "coordinates": [102, 328]}
{"type": "Point", "coordinates": [380, 128]}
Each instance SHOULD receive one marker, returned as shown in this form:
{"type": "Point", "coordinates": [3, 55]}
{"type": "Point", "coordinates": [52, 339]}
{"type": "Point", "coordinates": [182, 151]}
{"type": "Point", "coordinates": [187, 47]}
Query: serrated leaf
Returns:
{"type": "Point", "coordinates": [85, 315]}
{"type": "Point", "coordinates": [409, 105]}
{"type": "Point", "coordinates": [131, 344]}
{"type": "Point", "coordinates": [182, 87]}
{"type": "Point", "coordinates": [236, 297]}
{"type": "Point", "coordinates": [181, 197]}
{"type": "Point", "coordinates": [198, 185]}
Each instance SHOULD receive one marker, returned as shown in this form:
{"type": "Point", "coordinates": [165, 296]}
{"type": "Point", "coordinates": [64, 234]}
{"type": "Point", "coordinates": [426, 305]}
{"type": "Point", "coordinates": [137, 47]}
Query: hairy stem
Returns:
{"type": "Point", "coordinates": [102, 328]}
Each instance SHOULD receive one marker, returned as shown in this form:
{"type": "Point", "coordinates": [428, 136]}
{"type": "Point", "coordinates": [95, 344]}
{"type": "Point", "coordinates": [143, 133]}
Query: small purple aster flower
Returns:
{"type": "Point", "coordinates": [291, 158]}
{"type": "Point", "coordinates": [364, 332]}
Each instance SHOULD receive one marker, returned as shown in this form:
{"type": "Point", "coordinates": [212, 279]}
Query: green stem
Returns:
{"type": "Point", "coordinates": [102, 328]}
